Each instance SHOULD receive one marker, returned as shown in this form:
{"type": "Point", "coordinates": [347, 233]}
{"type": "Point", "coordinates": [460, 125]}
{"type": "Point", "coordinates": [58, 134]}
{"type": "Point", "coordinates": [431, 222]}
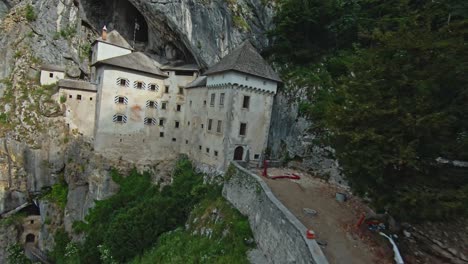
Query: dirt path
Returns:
{"type": "Point", "coordinates": [334, 223]}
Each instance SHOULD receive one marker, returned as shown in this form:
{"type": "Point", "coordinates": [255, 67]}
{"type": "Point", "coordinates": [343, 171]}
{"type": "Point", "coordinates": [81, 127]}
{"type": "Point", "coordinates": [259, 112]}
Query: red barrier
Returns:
{"type": "Point", "coordinates": [292, 177]}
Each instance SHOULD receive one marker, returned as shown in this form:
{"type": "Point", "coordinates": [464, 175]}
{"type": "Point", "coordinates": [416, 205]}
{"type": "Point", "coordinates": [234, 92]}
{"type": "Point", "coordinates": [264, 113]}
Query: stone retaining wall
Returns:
{"type": "Point", "coordinates": [278, 233]}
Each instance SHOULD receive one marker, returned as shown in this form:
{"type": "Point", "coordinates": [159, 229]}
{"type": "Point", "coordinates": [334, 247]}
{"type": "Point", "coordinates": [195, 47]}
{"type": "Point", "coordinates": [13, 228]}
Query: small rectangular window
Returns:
{"type": "Point", "coordinates": [139, 85]}
{"type": "Point", "coordinates": [221, 99]}
{"type": "Point", "coordinates": [70, 96]}
{"type": "Point", "coordinates": [207, 150]}
{"type": "Point", "coordinates": [151, 104]}
{"type": "Point", "coordinates": [210, 123]}
{"type": "Point", "coordinates": [78, 97]}
{"type": "Point", "coordinates": [243, 129]}
{"type": "Point", "coordinates": [216, 153]}
{"type": "Point", "coordinates": [119, 118]}
{"type": "Point", "coordinates": [188, 123]}
{"type": "Point", "coordinates": [213, 98]}
{"type": "Point", "coordinates": [202, 126]}
{"type": "Point", "coordinates": [152, 87]}
{"type": "Point", "coordinates": [177, 124]}
{"type": "Point", "coordinates": [246, 102]}
{"type": "Point", "coordinates": [218, 128]}
{"type": "Point", "coordinates": [161, 134]}
{"type": "Point", "coordinates": [204, 102]}
{"type": "Point", "coordinates": [123, 82]}
{"type": "Point", "coordinates": [166, 89]}
{"type": "Point", "coordinates": [174, 139]}
{"type": "Point", "coordinates": [90, 98]}
{"type": "Point", "coordinates": [51, 75]}
{"type": "Point", "coordinates": [181, 90]}
{"type": "Point", "coordinates": [161, 122]}
{"type": "Point", "coordinates": [163, 105]}
{"type": "Point", "coordinates": [179, 107]}
{"type": "Point", "coordinates": [186, 141]}
{"type": "Point", "coordinates": [256, 156]}
{"type": "Point", "coordinates": [190, 102]}
{"type": "Point", "coordinates": [121, 100]}
{"type": "Point", "coordinates": [199, 147]}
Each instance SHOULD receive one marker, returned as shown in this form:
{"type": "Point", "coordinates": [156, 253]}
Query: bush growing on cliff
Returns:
{"type": "Point", "coordinates": [130, 222]}
{"type": "Point", "coordinates": [30, 14]}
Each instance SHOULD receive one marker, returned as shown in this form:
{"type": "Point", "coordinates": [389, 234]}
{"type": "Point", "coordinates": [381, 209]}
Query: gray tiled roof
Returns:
{"type": "Point", "coordinates": [50, 67]}
{"type": "Point", "coordinates": [115, 38]}
{"type": "Point", "coordinates": [75, 84]}
{"type": "Point", "coordinates": [137, 61]}
{"type": "Point", "coordinates": [198, 82]}
{"type": "Point", "coordinates": [246, 59]}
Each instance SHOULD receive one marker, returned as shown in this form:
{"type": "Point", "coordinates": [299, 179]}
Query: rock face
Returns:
{"type": "Point", "coordinates": [290, 140]}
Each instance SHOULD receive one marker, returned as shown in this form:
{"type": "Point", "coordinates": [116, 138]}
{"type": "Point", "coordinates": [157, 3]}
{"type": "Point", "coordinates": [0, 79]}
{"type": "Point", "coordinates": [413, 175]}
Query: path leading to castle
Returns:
{"type": "Point", "coordinates": [335, 222]}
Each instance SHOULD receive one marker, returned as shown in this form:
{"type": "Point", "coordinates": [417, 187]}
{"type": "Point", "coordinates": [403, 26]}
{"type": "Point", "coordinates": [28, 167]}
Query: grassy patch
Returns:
{"type": "Point", "coordinates": [58, 193]}
{"type": "Point", "coordinates": [30, 14]}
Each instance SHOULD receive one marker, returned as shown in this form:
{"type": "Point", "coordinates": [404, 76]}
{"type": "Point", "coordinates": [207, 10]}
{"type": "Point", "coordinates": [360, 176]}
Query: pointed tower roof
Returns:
{"type": "Point", "coordinates": [114, 38]}
{"type": "Point", "coordinates": [245, 59]}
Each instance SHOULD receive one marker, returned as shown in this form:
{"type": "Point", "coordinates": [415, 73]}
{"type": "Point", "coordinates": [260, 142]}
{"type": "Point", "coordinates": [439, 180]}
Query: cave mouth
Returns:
{"type": "Point", "coordinates": [120, 15]}
{"type": "Point", "coordinates": [30, 238]}
{"type": "Point", "coordinates": [31, 209]}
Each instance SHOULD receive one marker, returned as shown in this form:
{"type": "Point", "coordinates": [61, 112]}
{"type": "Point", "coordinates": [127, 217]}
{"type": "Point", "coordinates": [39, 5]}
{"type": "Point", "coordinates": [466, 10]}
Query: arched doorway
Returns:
{"type": "Point", "coordinates": [30, 238]}
{"type": "Point", "coordinates": [239, 153]}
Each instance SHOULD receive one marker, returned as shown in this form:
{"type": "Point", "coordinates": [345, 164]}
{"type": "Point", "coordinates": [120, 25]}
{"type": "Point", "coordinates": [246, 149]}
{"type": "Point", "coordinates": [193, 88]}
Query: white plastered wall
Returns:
{"type": "Point", "coordinates": [46, 78]}
{"type": "Point", "coordinates": [79, 114]}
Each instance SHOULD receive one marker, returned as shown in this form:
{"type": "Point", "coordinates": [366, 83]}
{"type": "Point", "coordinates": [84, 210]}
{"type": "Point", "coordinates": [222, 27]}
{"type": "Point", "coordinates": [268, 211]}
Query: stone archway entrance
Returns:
{"type": "Point", "coordinates": [239, 153]}
{"type": "Point", "coordinates": [30, 238]}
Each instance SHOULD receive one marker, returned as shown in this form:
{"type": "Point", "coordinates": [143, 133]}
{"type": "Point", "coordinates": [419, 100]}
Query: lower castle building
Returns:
{"type": "Point", "coordinates": [141, 111]}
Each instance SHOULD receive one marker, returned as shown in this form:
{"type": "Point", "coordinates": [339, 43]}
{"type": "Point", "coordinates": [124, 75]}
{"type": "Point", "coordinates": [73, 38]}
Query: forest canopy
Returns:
{"type": "Point", "coordinates": [387, 88]}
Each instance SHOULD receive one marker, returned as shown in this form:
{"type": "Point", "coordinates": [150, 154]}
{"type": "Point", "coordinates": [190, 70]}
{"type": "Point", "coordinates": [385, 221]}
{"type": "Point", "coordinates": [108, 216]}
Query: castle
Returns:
{"type": "Point", "coordinates": [139, 110]}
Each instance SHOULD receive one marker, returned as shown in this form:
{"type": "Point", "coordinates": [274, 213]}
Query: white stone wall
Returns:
{"type": "Point", "coordinates": [102, 51]}
{"type": "Point", "coordinates": [257, 117]}
{"type": "Point", "coordinates": [233, 77]}
{"type": "Point", "coordinates": [50, 77]}
{"type": "Point", "coordinates": [134, 141]}
{"type": "Point", "coordinates": [79, 113]}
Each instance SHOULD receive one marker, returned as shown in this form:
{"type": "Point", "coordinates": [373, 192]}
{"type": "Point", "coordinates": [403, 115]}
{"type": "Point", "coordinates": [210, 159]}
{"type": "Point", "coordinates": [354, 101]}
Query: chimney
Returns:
{"type": "Point", "coordinates": [104, 33]}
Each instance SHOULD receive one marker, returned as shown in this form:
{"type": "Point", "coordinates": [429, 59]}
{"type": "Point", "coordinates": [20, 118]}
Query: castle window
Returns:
{"type": "Point", "coordinates": [256, 156]}
{"type": "Point", "coordinates": [204, 102]}
{"type": "Point", "coordinates": [139, 85]}
{"type": "Point", "coordinates": [221, 99]}
{"type": "Point", "coordinates": [246, 78]}
{"type": "Point", "coordinates": [70, 96]}
{"type": "Point", "coordinates": [153, 87]}
{"type": "Point", "coordinates": [207, 150]}
{"type": "Point", "coordinates": [181, 90]}
{"type": "Point", "coordinates": [51, 75]}
{"type": "Point", "coordinates": [164, 105]}
{"type": "Point", "coordinates": [121, 100]}
{"type": "Point", "coordinates": [161, 122]}
{"type": "Point", "coordinates": [202, 126]}
{"type": "Point", "coordinates": [119, 118]}
{"type": "Point", "coordinates": [151, 104]}
{"type": "Point", "coordinates": [186, 141]}
{"type": "Point", "coordinates": [174, 139]}
{"type": "Point", "coordinates": [210, 123]}
{"type": "Point", "coordinates": [246, 102]}
{"type": "Point", "coordinates": [90, 98]}
{"type": "Point", "coordinates": [216, 153]}
{"type": "Point", "coordinates": [166, 89]}
{"type": "Point", "coordinates": [199, 147]}
{"type": "Point", "coordinates": [78, 97]}
{"type": "Point", "coordinates": [188, 123]}
{"type": "Point", "coordinates": [123, 82]}
{"type": "Point", "coordinates": [179, 107]}
{"type": "Point", "coordinates": [177, 124]}
{"type": "Point", "coordinates": [218, 128]}
{"type": "Point", "coordinates": [190, 102]}
{"type": "Point", "coordinates": [243, 129]}
{"type": "Point", "coordinates": [212, 101]}
{"type": "Point", "coordinates": [150, 121]}
{"type": "Point", "coordinates": [161, 134]}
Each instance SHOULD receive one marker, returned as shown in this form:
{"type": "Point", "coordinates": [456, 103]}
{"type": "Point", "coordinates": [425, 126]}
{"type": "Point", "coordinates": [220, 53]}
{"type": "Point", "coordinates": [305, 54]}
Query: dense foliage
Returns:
{"type": "Point", "coordinates": [129, 223]}
{"type": "Point", "coordinates": [226, 242]}
{"type": "Point", "coordinates": [387, 87]}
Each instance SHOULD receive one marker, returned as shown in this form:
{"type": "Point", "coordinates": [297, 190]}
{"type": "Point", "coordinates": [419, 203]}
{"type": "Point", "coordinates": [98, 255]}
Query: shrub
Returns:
{"type": "Point", "coordinates": [30, 14]}
{"type": "Point", "coordinates": [58, 194]}
{"type": "Point", "coordinates": [16, 255]}
{"type": "Point", "coordinates": [63, 99]}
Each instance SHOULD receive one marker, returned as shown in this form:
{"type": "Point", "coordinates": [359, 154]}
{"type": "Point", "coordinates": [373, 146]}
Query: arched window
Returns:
{"type": "Point", "coordinates": [119, 118]}
{"type": "Point", "coordinates": [123, 82]}
{"type": "Point", "coordinates": [121, 99]}
{"type": "Point", "coordinates": [139, 85]}
{"type": "Point", "coordinates": [153, 87]}
{"type": "Point", "coordinates": [151, 104]}
{"type": "Point", "coordinates": [150, 121]}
